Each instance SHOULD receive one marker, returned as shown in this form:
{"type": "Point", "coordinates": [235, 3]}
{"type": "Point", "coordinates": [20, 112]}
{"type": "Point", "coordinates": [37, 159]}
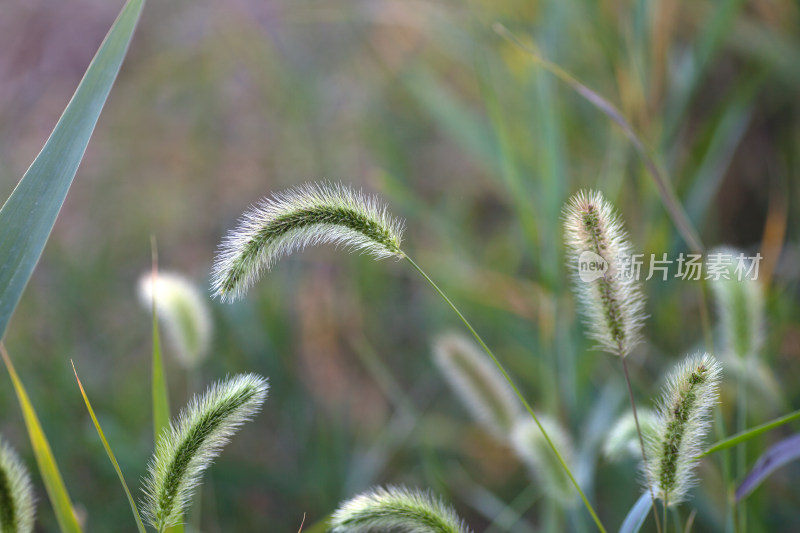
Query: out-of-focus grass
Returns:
{"type": "Point", "coordinates": [221, 103]}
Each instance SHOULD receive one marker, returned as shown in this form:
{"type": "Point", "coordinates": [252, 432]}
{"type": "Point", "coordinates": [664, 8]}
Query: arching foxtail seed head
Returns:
{"type": "Point", "coordinates": [477, 383]}
{"type": "Point", "coordinates": [396, 509]}
{"type": "Point", "coordinates": [187, 447]}
{"type": "Point", "coordinates": [16, 493]}
{"type": "Point", "coordinates": [691, 391]}
{"type": "Point", "coordinates": [303, 216]}
{"type": "Point", "coordinates": [598, 248]}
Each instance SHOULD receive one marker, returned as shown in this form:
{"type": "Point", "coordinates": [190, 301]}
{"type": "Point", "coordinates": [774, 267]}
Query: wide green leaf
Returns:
{"type": "Point", "coordinates": [28, 215]}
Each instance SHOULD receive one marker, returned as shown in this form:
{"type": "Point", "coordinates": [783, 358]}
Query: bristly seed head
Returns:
{"type": "Point", "coordinates": [16, 493]}
{"type": "Point", "coordinates": [740, 305]}
{"type": "Point", "coordinates": [312, 214]}
{"type": "Point", "coordinates": [477, 383]}
{"type": "Point", "coordinates": [691, 391]}
{"type": "Point", "coordinates": [613, 305]}
{"type": "Point", "coordinates": [187, 447]}
{"type": "Point", "coordinates": [396, 509]}
{"type": "Point", "coordinates": [183, 311]}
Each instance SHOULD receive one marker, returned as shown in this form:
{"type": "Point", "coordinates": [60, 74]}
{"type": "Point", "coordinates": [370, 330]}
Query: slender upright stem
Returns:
{"type": "Point", "coordinates": [641, 441]}
{"type": "Point", "coordinates": [515, 389]}
{"type": "Point", "coordinates": [666, 504]}
{"type": "Point", "coordinates": [741, 451]}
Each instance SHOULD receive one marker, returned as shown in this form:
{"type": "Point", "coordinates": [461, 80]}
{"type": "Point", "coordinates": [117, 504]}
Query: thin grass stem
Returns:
{"type": "Point", "coordinates": [641, 441]}
{"type": "Point", "coordinates": [514, 387]}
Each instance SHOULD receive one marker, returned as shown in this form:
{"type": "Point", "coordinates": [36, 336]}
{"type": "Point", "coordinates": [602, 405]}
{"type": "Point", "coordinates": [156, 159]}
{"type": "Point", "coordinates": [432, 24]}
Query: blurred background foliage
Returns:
{"type": "Point", "coordinates": [220, 103]}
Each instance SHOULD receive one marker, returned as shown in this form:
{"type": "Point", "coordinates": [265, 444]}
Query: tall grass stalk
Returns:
{"type": "Point", "coordinates": [317, 213]}
{"type": "Point", "coordinates": [613, 304]}
{"type": "Point", "coordinates": [516, 390]}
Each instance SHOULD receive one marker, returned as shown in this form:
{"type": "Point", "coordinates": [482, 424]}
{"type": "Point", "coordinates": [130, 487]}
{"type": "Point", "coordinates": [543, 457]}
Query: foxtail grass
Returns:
{"type": "Point", "coordinates": [186, 449]}
{"type": "Point", "coordinates": [288, 221]}
{"type": "Point", "coordinates": [318, 213]}
{"type": "Point", "coordinates": [612, 304]}
{"type": "Point", "coordinates": [396, 509]}
{"type": "Point", "coordinates": [691, 391]}
{"type": "Point", "coordinates": [739, 301]}
{"type": "Point", "coordinates": [477, 383]}
{"type": "Point", "coordinates": [183, 312]}
{"type": "Point", "coordinates": [16, 493]}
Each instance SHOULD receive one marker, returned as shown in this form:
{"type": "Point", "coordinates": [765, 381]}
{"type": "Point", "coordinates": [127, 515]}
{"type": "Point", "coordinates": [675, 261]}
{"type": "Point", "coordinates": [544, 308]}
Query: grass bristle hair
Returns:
{"type": "Point", "coordinates": [189, 445]}
{"type": "Point", "coordinates": [613, 305]}
{"type": "Point", "coordinates": [311, 214]}
{"type": "Point", "coordinates": [477, 382]}
{"type": "Point", "coordinates": [396, 509]}
{"type": "Point", "coordinates": [183, 311]}
{"type": "Point", "coordinates": [16, 493]}
{"type": "Point", "coordinates": [691, 392]}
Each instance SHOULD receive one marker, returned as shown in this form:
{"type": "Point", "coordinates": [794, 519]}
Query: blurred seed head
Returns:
{"type": "Point", "coordinates": [622, 441]}
{"type": "Point", "coordinates": [740, 306]}
{"type": "Point", "coordinates": [477, 383]}
{"type": "Point", "coordinates": [532, 449]}
{"type": "Point", "coordinates": [396, 509]}
{"type": "Point", "coordinates": [183, 312]}
{"type": "Point", "coordinates": [613, 305]}
{"type": "Point", "coordinates": [312, 214]}
{"type": "Point", "coordinates": [16, 493]}
{"type": "Point", "coordinates": [185, 450]}
{"type": "Point", "coordinates": [691, 392]}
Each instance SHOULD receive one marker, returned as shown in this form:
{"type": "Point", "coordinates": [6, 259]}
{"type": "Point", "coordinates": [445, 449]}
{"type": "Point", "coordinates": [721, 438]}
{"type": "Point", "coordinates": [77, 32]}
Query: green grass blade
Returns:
{"type": "Point", "coordinates": [113, 459]}
{"type": "Point", "coordinates": [161, 413]}
{"type": "Point", "coordinates": [637, 515]}
{"type": "Point", "coordinates": [28, 215]}
{"type": "Point", "coordinates": [751, 433]}
{"type": "Point", "coordinates": [53, 483]}
{"type": "Point", "coordinates": [665, 189]}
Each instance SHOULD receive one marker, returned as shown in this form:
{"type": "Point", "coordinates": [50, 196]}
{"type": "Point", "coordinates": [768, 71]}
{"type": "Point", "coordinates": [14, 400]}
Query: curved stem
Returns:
{"type": "Point", "coordinates": [515, 389]}
{"type": "Point", "coordinates": [641, 442]}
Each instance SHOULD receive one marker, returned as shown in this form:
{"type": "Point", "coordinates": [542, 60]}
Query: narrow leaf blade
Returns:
{"type": "Point", "coordinates": [53, 483]}
{"type": "Point", "coordinates": [637, 515]}
{"type": "Point", "coordinates": [751, 433]}
{"type": "Point", "coordinates": [28, 215]}
{"type": "Point", "coordinates": [111, 456]}
{"type": "Point", "coordinates": [771, 460]}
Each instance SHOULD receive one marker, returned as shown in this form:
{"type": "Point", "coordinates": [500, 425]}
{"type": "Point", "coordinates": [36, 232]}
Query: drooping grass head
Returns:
{"type": "Point", "coordinates": [691, 391]}
{"type": "Point", "coordinates": [396, 509]}
{"type": "Point", "coordinates": [187, 447]}
{"type": "Point", "coordinates": [598, 252]}
{"type": "Point", "coordinates": [291, 220]}
{"type": "Point", "coordinates": [16, 493]}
